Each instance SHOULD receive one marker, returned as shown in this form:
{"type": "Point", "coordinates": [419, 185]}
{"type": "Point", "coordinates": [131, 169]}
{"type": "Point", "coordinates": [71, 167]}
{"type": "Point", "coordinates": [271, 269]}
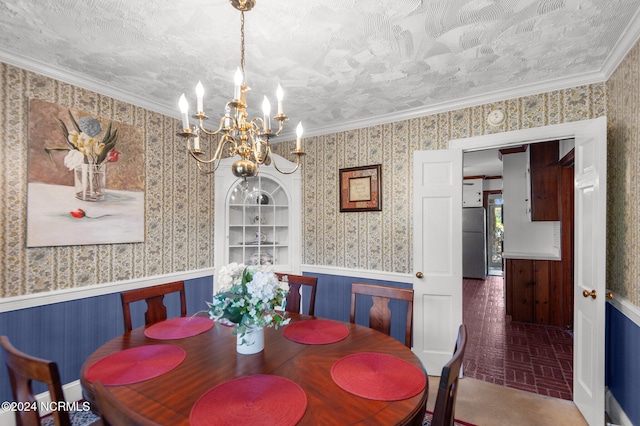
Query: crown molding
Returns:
{"type": "Point", "coordinates": [625, 44]}
{"type": "Point", "coordinates": [59, 74]}
{"type": "Point", "coordinates": [488, 98]}
{"type": "Point", "coordinates": [627, 41]}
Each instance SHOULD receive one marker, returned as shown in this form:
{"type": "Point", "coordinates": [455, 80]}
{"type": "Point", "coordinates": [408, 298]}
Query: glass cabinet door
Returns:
{"type": "Point", "coordinates": [258, 222]}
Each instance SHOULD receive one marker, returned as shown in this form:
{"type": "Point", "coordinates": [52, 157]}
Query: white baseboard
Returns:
{"type": "Point", "coordinates": [616, 413]}
{"type": "Point", "coordinates": [72, 392]}
{"type": "Point", "coordinates": [8, 304]}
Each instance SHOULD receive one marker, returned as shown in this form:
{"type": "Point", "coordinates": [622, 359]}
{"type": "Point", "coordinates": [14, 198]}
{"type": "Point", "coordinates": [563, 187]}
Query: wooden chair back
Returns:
{"type": "Point", "coordinates": [380, 314]}
{"type": "Point", "coordinates": [23, 370]}
{"type": "Point", "coordinates": [293, 298]}
{"type": "Point", "coordinates": [154, 296]}
{"type": "Point", "coordinates": [444, 410]}
{"type": "Point", "coordinates": [115, 413]}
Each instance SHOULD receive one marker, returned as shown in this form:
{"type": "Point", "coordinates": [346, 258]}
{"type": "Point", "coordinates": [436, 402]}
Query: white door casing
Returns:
{"type": "Point", "coordinates": [437, 255]}
{"type": "Point", "coordinates": [590, 247]}
{"type": "Point", "coordinates": [590, 270]}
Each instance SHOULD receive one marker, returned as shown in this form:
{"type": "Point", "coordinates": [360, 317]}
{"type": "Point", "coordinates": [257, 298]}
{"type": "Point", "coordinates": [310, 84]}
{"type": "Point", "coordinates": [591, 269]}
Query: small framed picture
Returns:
{"type": "Point", "coordinates": [361, 189]}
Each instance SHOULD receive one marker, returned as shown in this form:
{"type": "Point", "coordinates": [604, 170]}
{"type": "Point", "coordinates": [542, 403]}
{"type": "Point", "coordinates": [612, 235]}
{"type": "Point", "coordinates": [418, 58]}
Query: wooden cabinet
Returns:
{"type": "Point", "coordinates": [533, 290]}
{"type": "Point", "coordinates": [544, 175]}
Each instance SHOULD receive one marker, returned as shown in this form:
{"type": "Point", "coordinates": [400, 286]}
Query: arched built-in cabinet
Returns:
{"type": "Point", "coordinates": [258, 221]}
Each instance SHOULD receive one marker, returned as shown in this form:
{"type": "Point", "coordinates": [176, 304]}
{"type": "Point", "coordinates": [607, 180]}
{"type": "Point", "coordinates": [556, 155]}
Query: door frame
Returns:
{"type": "Point", "coordinates": [526, 136]}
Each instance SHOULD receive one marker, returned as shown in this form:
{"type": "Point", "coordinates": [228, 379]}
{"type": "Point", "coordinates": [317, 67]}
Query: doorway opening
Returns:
{"type": "Point", "coordinates": [523, 353]}
{"type": "Point", "coordinates": [495, 234]}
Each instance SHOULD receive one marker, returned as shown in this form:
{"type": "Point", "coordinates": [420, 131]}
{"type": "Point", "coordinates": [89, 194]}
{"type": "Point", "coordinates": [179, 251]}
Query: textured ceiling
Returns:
{"type": "Point", "coordinates": [343, 63]}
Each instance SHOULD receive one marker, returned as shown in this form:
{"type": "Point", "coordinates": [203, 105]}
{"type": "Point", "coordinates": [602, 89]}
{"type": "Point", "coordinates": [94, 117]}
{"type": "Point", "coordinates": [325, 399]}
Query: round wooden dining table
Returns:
{"type": "Point", "coordinates": [211, 360]}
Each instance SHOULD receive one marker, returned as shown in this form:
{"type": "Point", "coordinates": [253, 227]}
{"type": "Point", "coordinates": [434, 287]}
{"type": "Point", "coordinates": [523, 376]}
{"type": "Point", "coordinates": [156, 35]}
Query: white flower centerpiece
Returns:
{"type": "Point", "coordinates": [249, 297]}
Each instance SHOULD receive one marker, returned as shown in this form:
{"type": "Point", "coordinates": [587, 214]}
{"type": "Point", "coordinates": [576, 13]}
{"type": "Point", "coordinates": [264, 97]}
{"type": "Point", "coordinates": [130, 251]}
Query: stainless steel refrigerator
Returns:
{"type": "Point", "coordinates": [474, 243]}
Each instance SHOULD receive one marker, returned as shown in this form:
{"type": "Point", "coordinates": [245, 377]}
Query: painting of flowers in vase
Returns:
{"type": "Point", "coordinates": [85, 178]}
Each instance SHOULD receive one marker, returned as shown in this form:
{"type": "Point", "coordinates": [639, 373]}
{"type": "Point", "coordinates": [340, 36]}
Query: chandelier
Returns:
{"type": "Point", "coordinates": [236, 133]}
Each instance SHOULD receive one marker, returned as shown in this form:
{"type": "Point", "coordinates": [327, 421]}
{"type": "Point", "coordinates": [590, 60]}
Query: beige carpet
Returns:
{"type": "Point", "coordinates": [486, 404]}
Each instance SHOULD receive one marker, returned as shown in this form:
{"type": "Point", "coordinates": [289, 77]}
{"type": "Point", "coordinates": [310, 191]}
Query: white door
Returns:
{"type": "Point", "coordinates": [437, 255]}
{"type": "Point", "coordinates": [589, 269]}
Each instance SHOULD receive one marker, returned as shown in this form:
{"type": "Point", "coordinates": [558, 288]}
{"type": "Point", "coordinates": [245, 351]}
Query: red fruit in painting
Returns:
{"type": "Point", "coordinates": [112, 156]}
{"type": "Point", "coordinates": [78, 214]}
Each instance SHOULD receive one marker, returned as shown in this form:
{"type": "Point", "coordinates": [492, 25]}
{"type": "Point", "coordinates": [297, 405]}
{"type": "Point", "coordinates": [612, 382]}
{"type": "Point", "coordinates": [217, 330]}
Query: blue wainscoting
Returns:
{"type": "Point", "coordinates": [68, 332]}
{"type": "Point", "coordinates": [333, 301]}
{"type": "Point", "coordinates": [623, 366]}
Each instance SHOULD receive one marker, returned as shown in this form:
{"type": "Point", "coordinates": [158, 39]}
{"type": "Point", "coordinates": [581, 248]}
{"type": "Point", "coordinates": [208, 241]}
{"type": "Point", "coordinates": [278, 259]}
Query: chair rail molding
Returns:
{"type": "Point", "coordinates": [39, 299]}
{"type": "Point", "coordinates": [358, 273]}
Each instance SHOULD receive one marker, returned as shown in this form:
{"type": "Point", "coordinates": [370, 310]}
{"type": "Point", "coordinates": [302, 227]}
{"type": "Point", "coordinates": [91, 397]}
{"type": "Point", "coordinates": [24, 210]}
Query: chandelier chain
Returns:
{"type": "Point", "coordinates": [242, 41]}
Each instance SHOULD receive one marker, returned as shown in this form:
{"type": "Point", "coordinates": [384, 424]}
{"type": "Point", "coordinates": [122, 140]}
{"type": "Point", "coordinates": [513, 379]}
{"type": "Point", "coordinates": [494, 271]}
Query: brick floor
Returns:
{"type": "Point", "coordinates": [531, 357]}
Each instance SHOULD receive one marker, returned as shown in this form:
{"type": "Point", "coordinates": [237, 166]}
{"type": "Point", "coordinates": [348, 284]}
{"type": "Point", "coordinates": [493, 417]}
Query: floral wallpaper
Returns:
{"type": "Point", "coordinates": [383, 240]}
{"type": "Point", "coordinates": [178, 200]}
{"type": "Point", "coordinates": [623, 180]}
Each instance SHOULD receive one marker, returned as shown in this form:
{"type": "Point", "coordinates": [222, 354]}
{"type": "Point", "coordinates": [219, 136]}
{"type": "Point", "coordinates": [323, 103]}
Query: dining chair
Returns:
{"type": "Point", "coordinates": [115, 413]}
{"type": "Point", "coordinates": [294, 297]}
{"type": "Point", "coordinates": [23, 370]}
{"type": "Point", "coordinates": [444, 410]}
{"type": "Point", "coordinates": [154, 296]}
{"type": "Point", "coordinates": [380, 314]}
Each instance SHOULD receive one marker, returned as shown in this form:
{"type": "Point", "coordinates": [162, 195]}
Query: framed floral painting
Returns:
{"type": "Point", "coordinates": [85, 178]}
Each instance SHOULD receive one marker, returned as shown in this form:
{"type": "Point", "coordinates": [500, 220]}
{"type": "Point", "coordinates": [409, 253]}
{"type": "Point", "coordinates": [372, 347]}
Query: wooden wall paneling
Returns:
{"type": "Point", "coordinates": [68, 332]}
{"type": "Point", "coordinates": [544, 180]}
{"type": "Point", "coordinates": [542, 289]}
{"type": "Point", "coordinates": [521, 285]}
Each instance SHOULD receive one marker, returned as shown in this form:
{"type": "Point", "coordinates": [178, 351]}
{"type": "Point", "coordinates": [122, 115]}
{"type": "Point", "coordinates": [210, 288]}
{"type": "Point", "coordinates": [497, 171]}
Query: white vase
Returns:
{"type": "Point", "coordinates": [251, 342]}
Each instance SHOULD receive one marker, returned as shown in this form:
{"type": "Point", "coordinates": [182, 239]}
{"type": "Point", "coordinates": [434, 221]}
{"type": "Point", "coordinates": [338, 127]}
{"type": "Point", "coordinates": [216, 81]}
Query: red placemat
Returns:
{"type": "Point", "coordinates": [378, 376]}
{"type": "Point", "coordinates": [316, 332]}
{"type": "Point", "coordinates": [136, 364]}
{"type": "Point", "coordinates": [251, 400]}
{"type": "Point", "coordinates": [178, 328]}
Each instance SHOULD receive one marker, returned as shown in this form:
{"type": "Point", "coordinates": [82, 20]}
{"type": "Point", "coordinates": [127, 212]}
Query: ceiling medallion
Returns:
{"type": "Point", "coordinates": [236, 133]}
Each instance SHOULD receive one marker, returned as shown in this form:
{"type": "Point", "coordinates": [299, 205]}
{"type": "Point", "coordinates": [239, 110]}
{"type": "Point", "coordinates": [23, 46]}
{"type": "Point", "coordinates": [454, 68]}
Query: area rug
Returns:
{"type": "Point", "coordinates": [429, 415]}
{"type": "Point", "coordinates": [78, 418]}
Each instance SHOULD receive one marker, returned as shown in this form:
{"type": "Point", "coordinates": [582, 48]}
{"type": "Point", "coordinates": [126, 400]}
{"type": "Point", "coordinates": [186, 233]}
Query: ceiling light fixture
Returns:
{"type": "Point", "coordinates": [248, 138]}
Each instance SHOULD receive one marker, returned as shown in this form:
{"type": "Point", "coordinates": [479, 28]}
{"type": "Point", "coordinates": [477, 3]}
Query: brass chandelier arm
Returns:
{"type": "Point", "coordinates": [205, 171]}
{"type": "Point", "coordinates": [217, 156]}
{"type": "Point", "coordinates": [287, 172]}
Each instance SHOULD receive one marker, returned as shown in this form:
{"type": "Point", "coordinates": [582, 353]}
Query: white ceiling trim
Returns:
{"type": "Point", "coordinates": [628, 40]}
{"type": "Point", "coordinates": [85, 83]}
{"type": "Point", "coordinates": [499, 96]}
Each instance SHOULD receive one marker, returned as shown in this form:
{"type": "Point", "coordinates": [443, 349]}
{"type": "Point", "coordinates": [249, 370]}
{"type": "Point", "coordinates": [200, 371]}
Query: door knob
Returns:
{"type": "Point", "coordinates": [609, 295]}
{"type": "Point", "coordinates": [419, 274]}
{"type": "Point", "coordinates": [586, 293]}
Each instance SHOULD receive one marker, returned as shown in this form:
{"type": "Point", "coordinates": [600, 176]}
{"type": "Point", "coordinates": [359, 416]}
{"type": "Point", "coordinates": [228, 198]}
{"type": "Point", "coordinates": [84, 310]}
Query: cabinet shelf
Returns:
{"type": "Point", "coordinates": [264, 207]}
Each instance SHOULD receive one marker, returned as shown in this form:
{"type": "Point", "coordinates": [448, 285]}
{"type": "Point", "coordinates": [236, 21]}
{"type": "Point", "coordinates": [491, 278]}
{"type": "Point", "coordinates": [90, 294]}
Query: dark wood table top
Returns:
{"type": "Point", "coordinates": [212, 359]}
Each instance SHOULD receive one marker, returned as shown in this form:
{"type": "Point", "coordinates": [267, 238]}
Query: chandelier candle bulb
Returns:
{"type": "Point", "coordinates": [299, 139]}
{"type": "Point", "coordinates": [280, 96]}
{"type": "Point", "coordinates": [200, 96]}
{"type": "Point", "coordinates": [238, 83]}
{"type": "Point", "coordinates": [184, 109]}
{"type": "Point", "coordinates": [266, 111]}
{"type": "Point", "coordinates": [196, 143]}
